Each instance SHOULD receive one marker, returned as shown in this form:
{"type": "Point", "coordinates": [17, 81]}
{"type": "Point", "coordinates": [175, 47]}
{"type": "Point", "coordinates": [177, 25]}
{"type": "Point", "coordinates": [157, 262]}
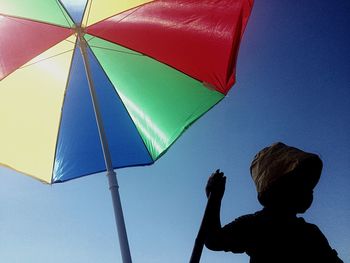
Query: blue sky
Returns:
{"type": "Point", "coordinates": [293, 85]}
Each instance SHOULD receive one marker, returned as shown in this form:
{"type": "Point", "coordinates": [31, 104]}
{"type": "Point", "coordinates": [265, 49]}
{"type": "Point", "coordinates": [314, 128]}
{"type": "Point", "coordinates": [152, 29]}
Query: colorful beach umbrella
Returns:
{"type": "Point", "coordinates": [130, 75]}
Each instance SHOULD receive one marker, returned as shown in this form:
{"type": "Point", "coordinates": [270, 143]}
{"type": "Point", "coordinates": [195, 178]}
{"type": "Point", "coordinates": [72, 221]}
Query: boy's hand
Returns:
{"type": "Point", "coordinates": [216, 185]}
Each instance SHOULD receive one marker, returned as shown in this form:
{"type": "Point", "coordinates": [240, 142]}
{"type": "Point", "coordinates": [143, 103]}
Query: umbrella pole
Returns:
{"type": "Point", "coordinates": [112, 178]}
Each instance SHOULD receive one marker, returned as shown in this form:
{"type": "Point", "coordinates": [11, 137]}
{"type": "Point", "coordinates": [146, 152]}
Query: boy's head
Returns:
{"type": "Point", "coordinates": [285, 177]}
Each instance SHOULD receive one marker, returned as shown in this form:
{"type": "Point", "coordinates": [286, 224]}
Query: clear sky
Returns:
{"type": "Point", "coordinates": [293, 85]}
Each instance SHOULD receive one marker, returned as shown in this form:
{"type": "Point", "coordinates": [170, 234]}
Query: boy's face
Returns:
{"type": "Point", "coordinates": [302, 200]}
{"type": "Point", "coordinates": [303, 195]}
{"type": "Point", "coordinates": [290, 193]}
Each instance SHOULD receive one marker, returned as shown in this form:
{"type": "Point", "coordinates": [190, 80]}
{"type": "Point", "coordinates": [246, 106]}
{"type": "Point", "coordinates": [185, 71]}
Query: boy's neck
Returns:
{"type": "Point", "coordinates": [278, 211]}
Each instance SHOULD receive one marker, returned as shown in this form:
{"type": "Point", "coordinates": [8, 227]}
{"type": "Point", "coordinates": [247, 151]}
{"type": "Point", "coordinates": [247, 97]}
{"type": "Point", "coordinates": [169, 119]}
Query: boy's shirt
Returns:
{"type": "Point", "coordinates": [272, 237]}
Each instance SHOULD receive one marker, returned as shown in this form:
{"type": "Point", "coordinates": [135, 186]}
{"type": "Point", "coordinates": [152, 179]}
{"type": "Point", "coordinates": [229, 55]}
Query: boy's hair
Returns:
{"type": "Point", "coordinates": [279, 160]}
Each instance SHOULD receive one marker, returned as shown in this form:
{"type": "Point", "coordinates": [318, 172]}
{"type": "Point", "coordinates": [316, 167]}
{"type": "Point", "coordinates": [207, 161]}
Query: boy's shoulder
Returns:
{"type": "Point", "coordinates": [264, 222]}
{"type": "Point", "coordinates": [265, 216]}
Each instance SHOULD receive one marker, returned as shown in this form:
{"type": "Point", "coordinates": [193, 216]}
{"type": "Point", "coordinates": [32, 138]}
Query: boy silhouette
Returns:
{"type": "Point", "coordinates": [284, 177]}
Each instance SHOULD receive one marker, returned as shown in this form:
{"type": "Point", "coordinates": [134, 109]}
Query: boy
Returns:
{"type": "Point", "coordinates": [284, 177]}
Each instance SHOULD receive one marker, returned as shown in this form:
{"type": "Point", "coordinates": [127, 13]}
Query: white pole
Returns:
{"type": "Point", "coordinates": [112, 178]}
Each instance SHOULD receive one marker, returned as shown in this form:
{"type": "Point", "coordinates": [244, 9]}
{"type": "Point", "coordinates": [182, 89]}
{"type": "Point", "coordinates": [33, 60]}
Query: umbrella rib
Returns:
{"type": "Point", "coordinates": [12, 17]}
{"type": "Point", "coordinates": [85, 10]}
{"type": "Point", "coordinates": [124, 52]}
{"type": "Point", "coordinates": [73, 42]}
{"type": "Point", "coordinates": [60, 6]}
{"type": "Point", "coordinates": [121, 19]}
{"type": "Point", "coordinates": [27, 65]}
{"type": "Point", "coordinates": [88, 13]}
{"type": "Point", "coordinates": [64, 12]}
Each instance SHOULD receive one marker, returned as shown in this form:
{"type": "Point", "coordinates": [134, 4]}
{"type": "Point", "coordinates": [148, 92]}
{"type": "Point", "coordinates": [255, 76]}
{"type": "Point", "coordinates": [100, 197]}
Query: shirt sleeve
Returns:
{"type": "Point", "coordinates": [326, 253]}
{"type": "Point", "coordinates": [238, 234]}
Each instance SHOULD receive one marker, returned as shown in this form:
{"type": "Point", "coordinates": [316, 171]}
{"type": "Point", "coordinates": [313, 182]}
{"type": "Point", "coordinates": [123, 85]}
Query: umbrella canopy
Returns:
{"type": "Point", "coordinates": [89, 86]}
{"type": "Point", "coordinates": [157, 67]}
